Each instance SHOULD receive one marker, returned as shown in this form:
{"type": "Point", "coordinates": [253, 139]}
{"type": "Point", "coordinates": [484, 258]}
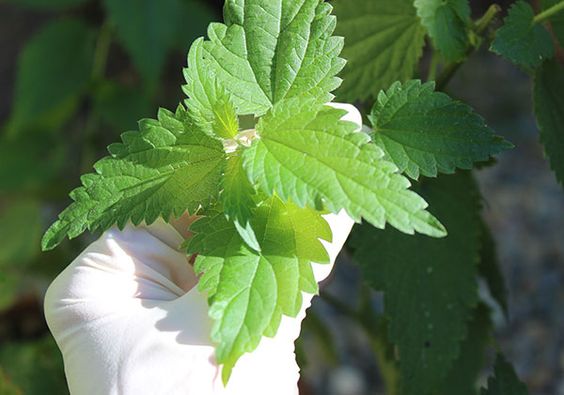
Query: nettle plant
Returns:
{"type": "Point", "coordinates": [257, 153]}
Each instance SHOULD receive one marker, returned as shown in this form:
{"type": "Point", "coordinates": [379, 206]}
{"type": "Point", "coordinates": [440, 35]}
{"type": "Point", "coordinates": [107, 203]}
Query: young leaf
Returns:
{"type": "Point", "coordinates": [505, 381]}
{"type": "Point", "coordinates": [237, 199]}
{"type": "Point", "coordinates": [249, 291]}
{"type": "Point", "coordinates": [522, 41]}
{"type": "Point", "coordinates": [226, 124]}
{"type": "Point", "coordinates": [462, 377]}
{"type": "Point", "coordinates": [549, 109]}
{"type": "Point", "coordinates": [53, 70]}
{"type": "Point", "coordinates": [446, 22]}
{"type": "Point", "coordinates": [268, 51]}
{"type": "Point", "coordinates": [306, 154]}
{"type": "Point", "coordinates": [148, 31]}
{"type": "Point", "coordinates": [429, 284]}
{"type": "Point", "coordinates": [168, 167]}
{"type": "Point", "coordinates": [426, 132]}
{"type": "Point", "coordinates": [383, 43]}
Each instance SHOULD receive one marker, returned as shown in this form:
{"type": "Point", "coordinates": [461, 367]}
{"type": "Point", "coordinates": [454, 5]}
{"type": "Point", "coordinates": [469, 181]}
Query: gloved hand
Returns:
{"type": "Point", "coordinates": [128, 318]}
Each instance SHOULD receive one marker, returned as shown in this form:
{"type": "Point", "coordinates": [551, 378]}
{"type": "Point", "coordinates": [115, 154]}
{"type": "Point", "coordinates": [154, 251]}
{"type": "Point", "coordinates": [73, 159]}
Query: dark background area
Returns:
{"type": "Point", "coordinates": [524, 205]}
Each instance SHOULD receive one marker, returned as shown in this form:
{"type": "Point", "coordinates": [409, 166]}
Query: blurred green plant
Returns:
{"type": "Point", "coordinates": [95, 67]}
{"type": "Point", "coordinates": [70, 98]}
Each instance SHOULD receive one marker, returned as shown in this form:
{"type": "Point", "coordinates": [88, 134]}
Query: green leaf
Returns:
{"type": "Point", "coordinates": [267, 51]}
{"type": "Point", "coordinates": [505, 381]}
{"type": "Point", "coordinates": [462, 377]}
{"type": "Point", "coordinates": [225, 124]}
{"type": "Point", "coordinates": [148, 30]}
{"type": "Point", "coordinates": [249, 291]}
{"type": "Point", "coordinates": [549, 110]}
{"type": "Point", "coordinates": [237, 199]}
{"type": "Point", "coordinates": [170, 166]}
{"type": "Point", "coordinates": [447, 23]}
{"type": "Point", "coordinates": [429, 285]}
{"type": "Point", "coordinates": [306, 154]}
{"type": "Point", "coordinates": [383, 43]}
{"type": "Point", "coordinates": [53, 70]}
{"type": "Point", "coordinates": [48, 4]}
{"type": "Point", "coordinates": [520, 40]}
{"type": "Point", "coordinates": [556, 21]}
{"type": "Point", "coordinates": [426, 132]}
{"type": "Point", "coordinates": [490, 269]}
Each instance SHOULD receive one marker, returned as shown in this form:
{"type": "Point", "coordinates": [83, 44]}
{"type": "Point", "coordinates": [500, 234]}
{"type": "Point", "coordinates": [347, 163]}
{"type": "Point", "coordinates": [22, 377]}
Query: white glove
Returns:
{"type": "Point", "coordinates": [129, 320]}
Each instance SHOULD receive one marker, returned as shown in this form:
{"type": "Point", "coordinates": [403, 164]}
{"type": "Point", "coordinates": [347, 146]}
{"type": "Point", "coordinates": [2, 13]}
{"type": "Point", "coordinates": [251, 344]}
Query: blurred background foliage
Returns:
{"type": "Point", "coordinates": [74, 74]}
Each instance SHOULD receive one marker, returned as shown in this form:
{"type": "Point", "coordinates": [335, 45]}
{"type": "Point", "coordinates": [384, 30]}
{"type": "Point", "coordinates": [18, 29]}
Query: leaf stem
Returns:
{"type": "Point", "coordinates": [549, 12]}
{"type": "Point", "coordinates": [480, 27]}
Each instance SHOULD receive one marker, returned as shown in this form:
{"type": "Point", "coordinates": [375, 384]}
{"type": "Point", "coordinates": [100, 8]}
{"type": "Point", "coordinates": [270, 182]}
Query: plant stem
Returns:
{"type": "Point", "coordinates": [549, 12]}
{"type": "Point", "coordinates": [479, 28]}
{"type": "Point", "coordinates": [483, 23]}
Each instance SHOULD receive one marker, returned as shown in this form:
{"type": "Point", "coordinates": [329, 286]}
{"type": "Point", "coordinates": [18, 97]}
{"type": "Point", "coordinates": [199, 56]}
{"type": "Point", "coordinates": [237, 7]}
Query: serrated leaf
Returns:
{"type": "Point", "coordinates": [426, 132]}
{"type": "Point", "coordinates": [249, 291]}
{"type": "Point", "coordinates": [549, 110]}
{"type": "Point", "coordinates": [53, 70]}
{"type": "Point", "coordinates": [268, 51]}
{"type": "Point", "coordinates": [383, 43]}
{"type": "Point", "coordinates": [225, 123]}
{"type": "Point", "coordinates": [237, 200]}
{"type": "Point", "coordinates": [166, 168]}
{"type": "Point", "coordinates": [148, 30]}
{"type": "Point", "coordinates": [447, 23]}
{"type": "Point", "coordinates": [490, 269]}
{"type": "Point", "coordinates": [520, 40]}
{"type": "Point", "coordinates": [429, 285]}
{"type": "Point", "coordinates": [462, 377]}
{"type": "Point", "coordinates": [505, 381]}
{"type": "Point", "coordinates": [305, 154]}
{"type": "Point", "coordinates": [556, 21]}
